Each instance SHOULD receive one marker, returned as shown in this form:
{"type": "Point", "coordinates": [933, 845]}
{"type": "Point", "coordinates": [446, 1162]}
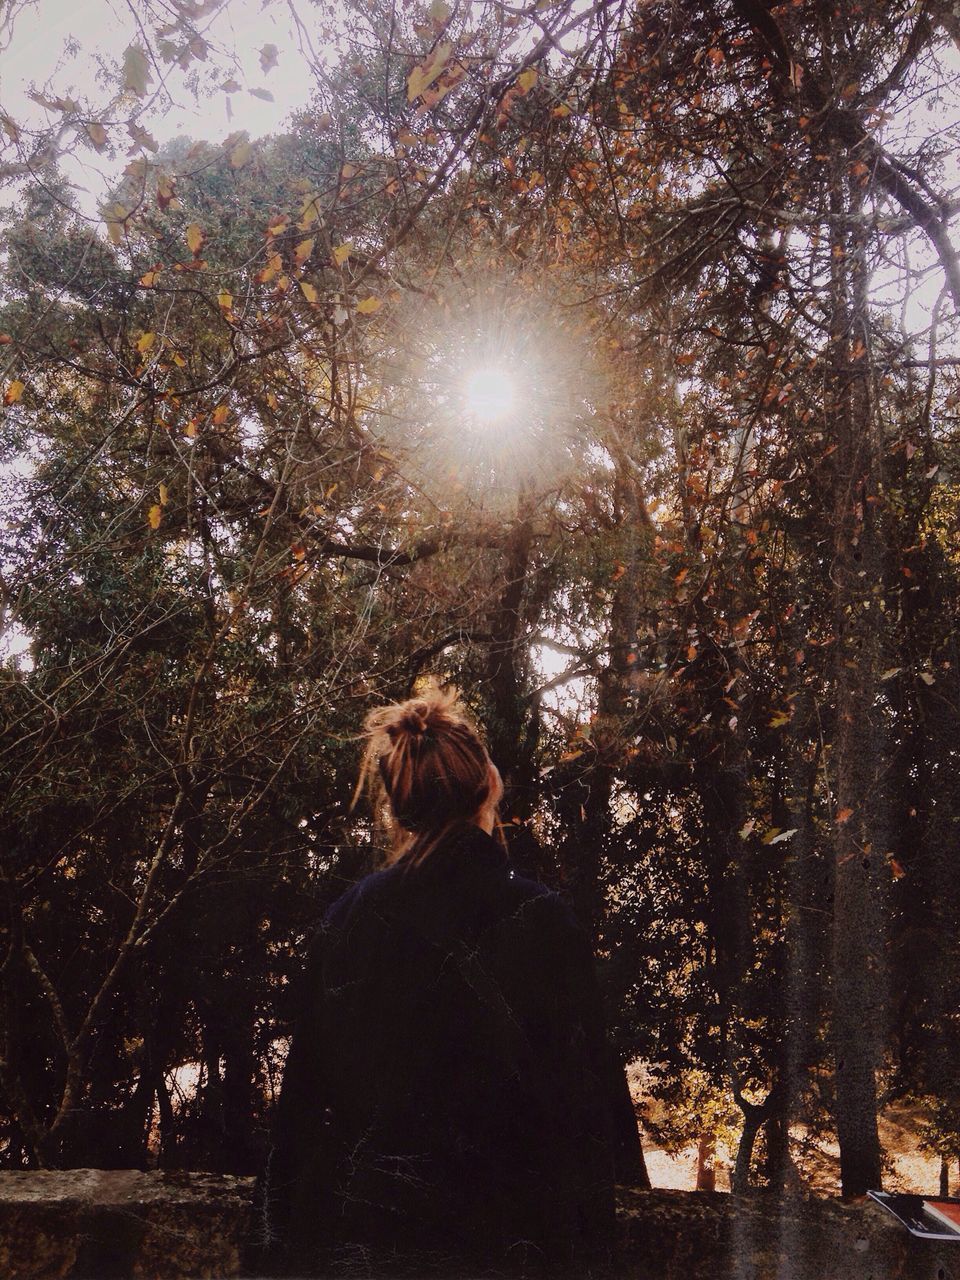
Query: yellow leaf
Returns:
{"type": "Point", "coordinates": [13, 392]}
{"type": "Point", "coordinates": [179, 361]}
{"type": "Point", "coordinates": [369, 305]}
{"type": "Point", "coordinates": [309, 292]}
{"type": "Point", "coordinates": [527, 79]}
{"type": "Point", "coordinates": [164, 495]}
{"type": "Point", "coordinates": [155, 515]}
{"type": "Point", "coordinates": [422, 77]}
{"type": "Point", "coordinates": [272, 400]}
{"type": "Point", "coordinates": [191, 429]}
{"type": "Point", "coordinates": [342, 252]}
{"type": "Point", "coordinates": [274, 264]}
{"type": "Point", "coordinates": [303, 251]}
{"type": "Point", "coordinates": [150, 279]}
{"type": "Point", "coordinates": [220, 414]}
{"type": "Point", "coordinates": [225, 300]}
{"type": "Point", "coordinates": [240, 154]}
{"type": "Point", "coordinates": [145, 342]}
{"type": "Point", "coordinates": [194, 239]}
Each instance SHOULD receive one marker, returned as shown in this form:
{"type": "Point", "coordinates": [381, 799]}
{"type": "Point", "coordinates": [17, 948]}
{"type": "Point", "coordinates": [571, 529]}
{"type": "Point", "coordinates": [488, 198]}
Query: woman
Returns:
{"type": "Point", "coordinates": [443, 1106]}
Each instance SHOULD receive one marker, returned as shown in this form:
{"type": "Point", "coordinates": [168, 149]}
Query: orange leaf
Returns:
{"type": "Point", "coordinates": [843, 815]}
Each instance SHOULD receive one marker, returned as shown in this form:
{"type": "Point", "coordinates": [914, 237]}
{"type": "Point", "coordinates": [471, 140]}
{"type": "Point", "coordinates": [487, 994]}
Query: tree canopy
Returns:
{"type": "Point", "coordinates": [694, 565]}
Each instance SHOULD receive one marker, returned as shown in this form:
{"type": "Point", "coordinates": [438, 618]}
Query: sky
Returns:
{"type": "Point", "coordinates": [59, 47]}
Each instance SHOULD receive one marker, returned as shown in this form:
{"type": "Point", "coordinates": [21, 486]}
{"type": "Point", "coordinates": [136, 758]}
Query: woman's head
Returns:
{"type": "Point", "coordinates": [426, 759]}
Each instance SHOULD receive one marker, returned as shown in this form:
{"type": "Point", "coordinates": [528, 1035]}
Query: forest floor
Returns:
{"type": "Point", "coordinates": [908, 1168]}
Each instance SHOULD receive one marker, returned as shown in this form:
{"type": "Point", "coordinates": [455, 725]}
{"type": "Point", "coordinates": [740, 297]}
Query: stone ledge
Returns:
{"type": "Point", "coordinates": [106, 1224]}
{"type": "Point", "coordinates": [92, 1224]}
{"type": "Point", "coordinates": [687, 1235]}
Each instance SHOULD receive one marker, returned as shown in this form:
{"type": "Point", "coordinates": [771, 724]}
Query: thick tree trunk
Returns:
{"type": "Point", "coordinates": [859, 982]}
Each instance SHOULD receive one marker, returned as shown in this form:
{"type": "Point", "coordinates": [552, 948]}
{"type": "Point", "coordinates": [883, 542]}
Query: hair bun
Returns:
{"type": "Point", "coordinates": [413, 721]}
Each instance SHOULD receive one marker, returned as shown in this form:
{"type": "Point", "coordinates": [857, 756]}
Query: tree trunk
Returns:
{"type": "Point", "coordinates": [857, 572]}
{"type": "Point", "coordinates": [706, 1163]}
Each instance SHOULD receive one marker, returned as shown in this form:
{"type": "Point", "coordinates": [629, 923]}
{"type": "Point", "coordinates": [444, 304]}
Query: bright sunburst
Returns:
{"type": "Point", "coordinates": [490, 394]}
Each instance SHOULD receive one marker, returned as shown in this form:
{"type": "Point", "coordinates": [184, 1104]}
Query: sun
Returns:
{"type": "Point", "coordinates": [490, 394]}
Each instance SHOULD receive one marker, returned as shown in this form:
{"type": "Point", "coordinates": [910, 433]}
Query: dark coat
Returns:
{"type": "Point", "coordinates": [444, 1101]}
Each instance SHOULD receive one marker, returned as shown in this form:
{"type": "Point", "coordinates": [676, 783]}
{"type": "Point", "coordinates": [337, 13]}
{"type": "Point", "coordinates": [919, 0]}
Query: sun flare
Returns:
{"type": "Point", "coordinates": [490, 394]}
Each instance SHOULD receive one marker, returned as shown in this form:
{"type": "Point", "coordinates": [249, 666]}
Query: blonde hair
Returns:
{"type": "Point", "coordinates": [425, 762]}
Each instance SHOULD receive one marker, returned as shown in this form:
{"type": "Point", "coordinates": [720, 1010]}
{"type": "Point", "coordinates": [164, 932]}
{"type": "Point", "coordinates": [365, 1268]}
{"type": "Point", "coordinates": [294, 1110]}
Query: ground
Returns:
{"type": "Point", "coordinates": [909, 1168]}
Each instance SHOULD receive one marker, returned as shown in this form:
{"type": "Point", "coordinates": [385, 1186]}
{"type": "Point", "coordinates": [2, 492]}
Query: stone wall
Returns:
{"type": "Point", "coordinates": [91, 1224]}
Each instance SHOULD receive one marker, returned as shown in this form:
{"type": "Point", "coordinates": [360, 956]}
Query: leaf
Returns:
{"type": "Point", "coordinates": [141, 137]}
{"type": "Point", "coordinates": [136, 70]}
{"type": "Point", "coordinates": [268, 57]}
{"type": "Point", "coordinates": [303, 251]}
{"type": "Point", "coordinates": [342, 252]}
{"type": "Point", "coordinates": [440, 12]}
{"type": "Point", "coordinates": [776, 836]}
{"type": "Point", "coordinates": [422, 77]}
{"type": "Point", "coordinates": [240, 154]}
{"type": "Point", "coordinates": [191, 429]}
{"type": "Point", "coordinates": [194, 239]}
{"type": "Point", "coordinates": [14, 391]}
{"type": "Point", "coordinates": [164, 495]}
{"type": "Point", "coordinates": [888, 675]}
{"type": "Point", "coordinates": [225, 300]}
{"type": "Point", "coordinates": [309, 291]}
{"type": "Point", "coordinates": [843, 815]}
{"type": "Point", "coordinates": [928, 677]}
{"type": "Point", "coordinates": [264, 95]}
{"type": "Point", "coordinates": [220, 415]}
{"type": "Point", "coordinates": [230, 86]}
{"type": "Point", "coordinates": [155, 515]}
{"type": "Point", "coordinates": [369, 305]}
{"type": "Point", "coordinates": [273, 267]}
{"type": "Point", "coordinates": [97, 134]}
{"type": "Point", "coordinates": [166, 190]}
{"type": "Point", "coordinates": [527, 79]}
{"type": "Point", "coordinates": [145, 342]}
{"type": "Point", "coordinates": [780, 719]}
{"type": "Point", "coordinates": [149, 279]}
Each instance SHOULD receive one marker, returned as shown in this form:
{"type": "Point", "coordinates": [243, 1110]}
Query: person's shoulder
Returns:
{"type": "Point", "coordinates": [366, 890]}
{"type": "Point", "coordinates": [535, 903]}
